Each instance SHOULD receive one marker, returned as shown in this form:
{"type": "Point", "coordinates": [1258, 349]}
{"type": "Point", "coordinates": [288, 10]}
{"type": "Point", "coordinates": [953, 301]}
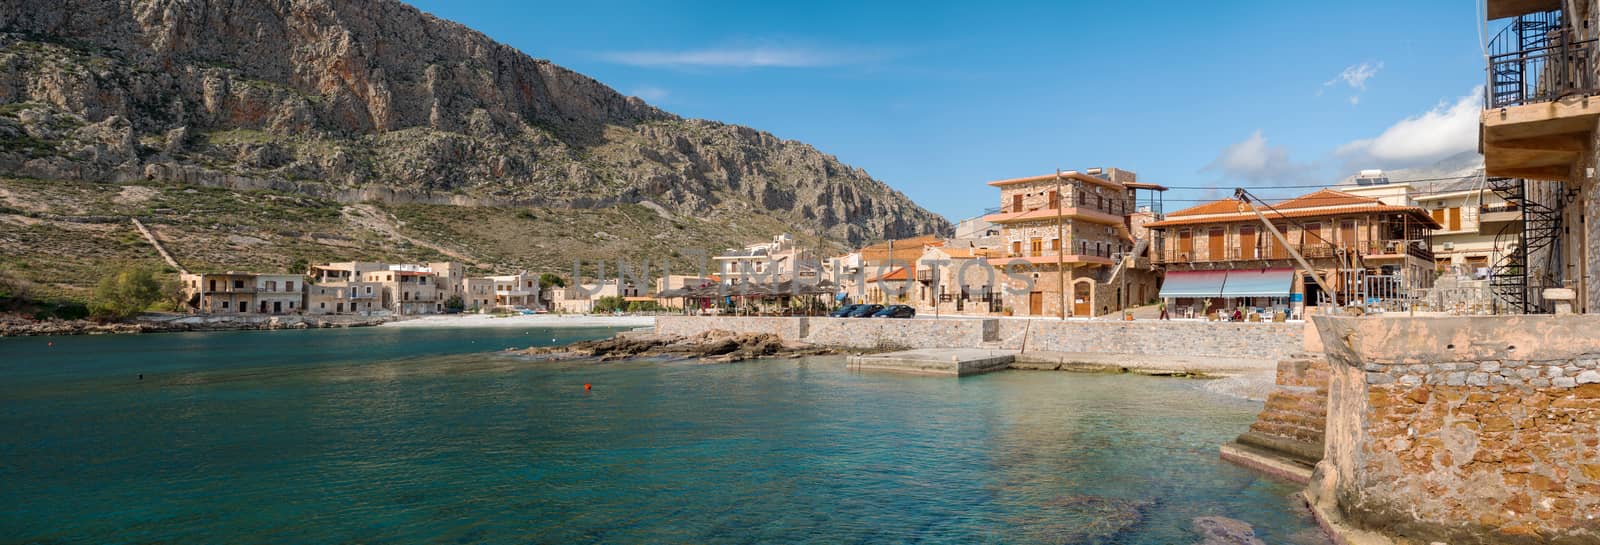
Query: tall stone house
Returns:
{"type": "Point", "coordinates": [1219, 255]}
{"type": "Point", "coordinates": [1069, 248]}
{"type": "Point", "coordinates": [1541, 149]}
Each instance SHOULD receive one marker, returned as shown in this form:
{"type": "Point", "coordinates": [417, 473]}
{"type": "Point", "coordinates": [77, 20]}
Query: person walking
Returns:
{"type": "Point", "coordinates": [1162, 306]}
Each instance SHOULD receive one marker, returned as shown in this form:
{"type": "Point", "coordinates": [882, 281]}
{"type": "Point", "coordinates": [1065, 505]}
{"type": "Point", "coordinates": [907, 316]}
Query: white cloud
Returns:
{"type": "Point", "coordinates": [1256, 160]}
{"type": "Point", "coordinates": [748, 57]}
{"type": "Point", "coordinates": [650, 93]}
{"type": "Point", "coordinates": [1445, 130]}
{"type": "Point", "coordinates": [1356, 75]}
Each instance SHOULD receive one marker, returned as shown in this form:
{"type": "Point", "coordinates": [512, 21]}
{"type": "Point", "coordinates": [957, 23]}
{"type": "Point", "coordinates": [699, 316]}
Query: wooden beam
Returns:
{"type": "Point", "coordinates": [1565, 116]}
{"type": "Point", "coordinates": [1500, 9]}
{"type": "Point", "coordinates": [1559, 173]}
{"type": "Point", "coordinates": [1573, 142]}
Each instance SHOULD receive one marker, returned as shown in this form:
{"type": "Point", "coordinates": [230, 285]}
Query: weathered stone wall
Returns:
{"type": "Point", "coordinates": [787, 328]}
{"type": "Point", "coordinates": [885, 333]}
{"type": "Point", "coordinates": [1465, 430]}
{"type": "Point", "coordinates": [1293, 421]}
{"type": "Point", "coordinates": [1177, 338]}
{"type": "Point", "coordinates": [1181, 338]}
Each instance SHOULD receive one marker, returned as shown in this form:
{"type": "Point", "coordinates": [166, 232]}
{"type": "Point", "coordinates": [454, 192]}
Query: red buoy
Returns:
{"type": "Point", "coordinates": [585, 386]}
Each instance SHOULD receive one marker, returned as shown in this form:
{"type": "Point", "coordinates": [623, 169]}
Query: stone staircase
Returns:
{"type": "Point", "coordinates": [1287, 436]}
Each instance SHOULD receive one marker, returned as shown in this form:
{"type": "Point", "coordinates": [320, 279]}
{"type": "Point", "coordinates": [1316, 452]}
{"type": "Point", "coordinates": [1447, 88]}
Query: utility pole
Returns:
{"type": "Point", "coordinates": [1061, 248]}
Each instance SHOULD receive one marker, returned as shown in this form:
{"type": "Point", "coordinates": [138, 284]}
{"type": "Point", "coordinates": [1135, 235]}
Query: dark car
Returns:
{"type": "Point", "coordinates": [863, 311]}
{"type": "Point", "coordinates": [895, 311]}
{"type": "Point", "coordinates": [843, 311]}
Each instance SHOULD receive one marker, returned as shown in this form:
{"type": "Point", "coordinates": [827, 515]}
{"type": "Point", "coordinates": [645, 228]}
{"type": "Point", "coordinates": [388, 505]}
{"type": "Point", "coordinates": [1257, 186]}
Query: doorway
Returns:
{"type": "Point", "coordinates": [1082, 303]}
{"type": "Point", "coordinates": [1036, 303]}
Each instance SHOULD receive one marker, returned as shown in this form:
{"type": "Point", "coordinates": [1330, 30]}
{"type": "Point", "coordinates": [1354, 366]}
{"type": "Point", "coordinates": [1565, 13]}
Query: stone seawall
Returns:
{"type": "Point", "coordinates": [166, 323]}
{"type": "Point", "coordinates": [1263, 340]}
{"type": "Point", "coordinates": [1464, 430]}
{"type": "Point", "coordinates": [1165, 338]}
{"type": "Point", "coordinates": [896, 334]}
{"type": "Point", "coordinates": [790, 329]}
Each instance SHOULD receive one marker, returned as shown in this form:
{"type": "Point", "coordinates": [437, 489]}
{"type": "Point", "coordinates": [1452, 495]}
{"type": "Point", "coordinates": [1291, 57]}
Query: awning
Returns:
{"type": "Point", "coordinates": [1259, 283]}
{"type": "Point", "coordinates": [1193, 284]}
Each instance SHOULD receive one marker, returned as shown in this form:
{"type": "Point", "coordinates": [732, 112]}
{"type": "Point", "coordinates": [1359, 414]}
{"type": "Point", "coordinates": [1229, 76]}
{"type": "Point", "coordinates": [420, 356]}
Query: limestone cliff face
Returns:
{"type": "Point", "coordinates": [364, 99]}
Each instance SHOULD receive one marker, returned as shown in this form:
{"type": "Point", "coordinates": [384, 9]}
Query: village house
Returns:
{"type": "Point", "coordinates": [344, 297]}
{"type": "Point", "coordinates": [767, 263]}
{"type": "Point", "coordinates": [519, 290]}
{"type": "Point", "coordinates": [1069, 248]}
{"type": "Point", "coordinates": [581, 298]}
{"type": "Point", "coordinates": [243, 293]}
{"type": "Point", "coordinates": [479, 295]}
{"type": "Point", "coordinates": [957, 279]}
{"type": "Point", "coordinates": [881, 273]}
{"type": "Point", "coordinates": [1219, 253]}
{"type": "Point", "coordinates": [1463, 246]}
{"type": "Point", "coordinates": [408, 290]}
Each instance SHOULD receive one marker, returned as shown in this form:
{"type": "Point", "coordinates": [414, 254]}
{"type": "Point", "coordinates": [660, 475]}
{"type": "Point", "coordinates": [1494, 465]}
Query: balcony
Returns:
{"type": "Point", "coordinates": [1318, 250]}
{"type": "Point", "coordinates": [1493, 220]}
{"type": "Point", "coordinates": [1539, 118]}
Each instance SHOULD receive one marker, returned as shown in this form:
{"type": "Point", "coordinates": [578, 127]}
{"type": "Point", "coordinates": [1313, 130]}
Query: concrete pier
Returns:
{"type": "Point", "coordinates": [953, 362]}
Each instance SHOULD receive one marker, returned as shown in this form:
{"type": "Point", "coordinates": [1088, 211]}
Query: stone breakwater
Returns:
{"type": "Point", "coordinates": [1463, 430]}
{"type": "Point", "coordinates": [1163, 338]}
{"type": "Point", "coordinates": [20, 327]}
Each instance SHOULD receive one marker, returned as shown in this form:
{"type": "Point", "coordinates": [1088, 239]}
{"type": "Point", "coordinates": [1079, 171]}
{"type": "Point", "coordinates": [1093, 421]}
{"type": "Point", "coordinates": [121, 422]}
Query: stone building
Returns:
{"type": "Point", "coordinates": [244, 293]}
{"type": "Point", "coordinates": [1541, 147]}
{"type": "Point", "coordinates": [1066, 237]}
{"type": "Point", "coordinates": [1220, 251]}
{"type": "Point", "coordinates": [516, 290]}
{"type": "Point", "coordinates": [479, 294]}
{"type": "Point", "coordinates": [954, 279]}
{"type": "Point", "coordinates": [344, 297]}
{"type": "Point", "coordinates": [1463, 246]}
{"type": "Point", "coordinates": [408, 290]}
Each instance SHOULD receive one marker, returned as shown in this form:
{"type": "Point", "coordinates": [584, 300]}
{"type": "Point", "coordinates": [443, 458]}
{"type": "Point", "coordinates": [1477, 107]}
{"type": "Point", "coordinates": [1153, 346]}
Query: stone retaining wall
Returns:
{"type": "Point", "coordinates": [895, 334]}
{"type": "Point", "coordinates": [790, 329]}
{"type": "Point", "coordinates": [1264, 340]}
{"type": "Point", "coordinates": [1464, 430]}
{"type": "Point", "coordinates": [1175, 338]}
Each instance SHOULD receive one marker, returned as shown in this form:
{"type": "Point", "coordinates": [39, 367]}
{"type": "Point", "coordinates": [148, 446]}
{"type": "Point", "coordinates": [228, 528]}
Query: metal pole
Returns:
{"type": "Point", "coordinates": [1061, 248]}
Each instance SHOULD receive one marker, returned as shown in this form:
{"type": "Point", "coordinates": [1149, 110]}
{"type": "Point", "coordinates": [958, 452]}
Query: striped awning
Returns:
{"type": "Point", "coordinates": [1259, 283]}
{"type": "Point", "coordinates": [1193, 284]}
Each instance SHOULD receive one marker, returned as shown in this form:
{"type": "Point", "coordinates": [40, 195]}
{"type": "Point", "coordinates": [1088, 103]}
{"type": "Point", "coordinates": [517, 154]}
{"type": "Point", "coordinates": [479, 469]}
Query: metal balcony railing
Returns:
{"type": "Point", "coordinates": [1537, 59]}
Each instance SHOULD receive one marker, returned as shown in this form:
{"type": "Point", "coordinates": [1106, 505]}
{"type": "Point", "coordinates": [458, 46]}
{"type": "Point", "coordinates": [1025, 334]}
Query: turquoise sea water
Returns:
{"type": "Point", "coordinates": [383, 435]}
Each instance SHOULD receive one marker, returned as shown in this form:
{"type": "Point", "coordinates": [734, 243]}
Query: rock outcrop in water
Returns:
{"type": "Point", "coordinates": [710, 346]}
{"type": "Point", "coordinates": [1225, 531]}
{"type": "Point", "coordinates": [375, 100]}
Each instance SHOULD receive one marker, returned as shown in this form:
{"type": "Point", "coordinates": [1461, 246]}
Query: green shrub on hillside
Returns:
{"type": "Point", "coordinates": [125, 293]}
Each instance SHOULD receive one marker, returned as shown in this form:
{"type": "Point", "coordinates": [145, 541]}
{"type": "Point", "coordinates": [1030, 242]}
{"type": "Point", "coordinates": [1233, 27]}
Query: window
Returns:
{"type": "Point", "coordinates": [288, 286]}
{"type": "Point", "coordinates": [1055, 200]}
{"type": "Point", "coordinates": [238, 284]}
{"type": "Point", "coordinates": [1035, 246]}
{"type": "Point", "coordinates": [1055, 244]}
{"type": "Point", "coordinates": [1454, 216]}
{"type": "Point", "coordinates": [1016, 202]}
{"type": "Point", "coordinates": [1016, 247]}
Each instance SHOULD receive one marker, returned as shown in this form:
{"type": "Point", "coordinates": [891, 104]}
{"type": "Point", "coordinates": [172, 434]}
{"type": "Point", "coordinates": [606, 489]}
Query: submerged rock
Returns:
{"type": "Point", "coordinates": [1225, 531]}
{"type": "Point", "coordinates": [1084, 519]}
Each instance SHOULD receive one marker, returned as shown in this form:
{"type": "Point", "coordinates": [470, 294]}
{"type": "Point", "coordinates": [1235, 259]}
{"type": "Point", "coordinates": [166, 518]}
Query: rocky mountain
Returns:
{"type": "Point", "coordinates": [358, 100]}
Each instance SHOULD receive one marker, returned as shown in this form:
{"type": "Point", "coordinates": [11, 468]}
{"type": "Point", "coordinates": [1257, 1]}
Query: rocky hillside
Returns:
{"type": "Point", "coordinates": [373, 100]}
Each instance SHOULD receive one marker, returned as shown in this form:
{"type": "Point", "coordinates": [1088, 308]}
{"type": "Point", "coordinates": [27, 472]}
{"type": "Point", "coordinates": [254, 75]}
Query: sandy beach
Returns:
{"type": "Point", "coordinates": [535, 320]}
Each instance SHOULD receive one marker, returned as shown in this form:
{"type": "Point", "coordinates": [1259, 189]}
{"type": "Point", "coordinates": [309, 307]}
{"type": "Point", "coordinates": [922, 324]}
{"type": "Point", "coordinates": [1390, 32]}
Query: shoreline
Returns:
{"type": "Point", "coordinates": [181, 323]}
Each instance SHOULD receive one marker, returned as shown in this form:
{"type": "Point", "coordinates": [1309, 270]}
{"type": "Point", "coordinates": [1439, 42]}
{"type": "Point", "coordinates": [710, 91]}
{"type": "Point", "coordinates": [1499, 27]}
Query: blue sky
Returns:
{"type": "Point", "coordinates": [937, 98]}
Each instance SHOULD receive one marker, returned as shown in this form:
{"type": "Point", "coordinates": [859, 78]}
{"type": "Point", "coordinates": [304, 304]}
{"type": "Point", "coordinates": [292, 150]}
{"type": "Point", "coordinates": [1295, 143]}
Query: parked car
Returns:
{"type": "Point", "coordinates": [843, 311]}
{"type": "Point", "coordinates": [895, 311]}
{"type": "Point", "coordinates": [863, 311]}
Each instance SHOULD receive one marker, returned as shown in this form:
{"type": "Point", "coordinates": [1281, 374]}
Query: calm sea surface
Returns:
{"type": "Point", "coordinates": [378, 435]}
